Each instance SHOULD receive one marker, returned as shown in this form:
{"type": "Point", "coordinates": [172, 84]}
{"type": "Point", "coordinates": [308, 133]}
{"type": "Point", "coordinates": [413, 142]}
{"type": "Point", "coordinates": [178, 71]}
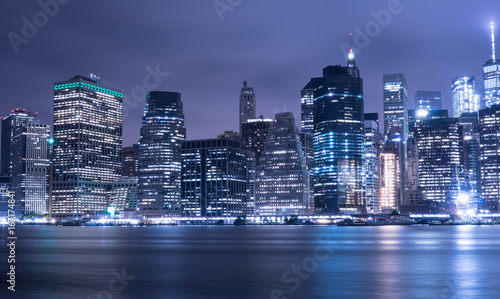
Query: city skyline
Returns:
{"type": "Point", "coordinates": [189, 72]}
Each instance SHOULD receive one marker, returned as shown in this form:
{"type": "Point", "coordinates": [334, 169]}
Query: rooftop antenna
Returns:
{"type": "Point", "coordinates": [493, 40]}
{"type": "Point", "coordinates": [351, 54]}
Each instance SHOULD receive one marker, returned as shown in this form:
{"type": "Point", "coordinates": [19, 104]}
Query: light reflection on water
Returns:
{"type": "Point", "coordinates": [250, 262]}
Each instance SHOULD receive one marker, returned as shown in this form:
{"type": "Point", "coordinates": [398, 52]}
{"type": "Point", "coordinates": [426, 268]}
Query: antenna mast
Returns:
{"type": "Point", "coordinates": [493, 40]}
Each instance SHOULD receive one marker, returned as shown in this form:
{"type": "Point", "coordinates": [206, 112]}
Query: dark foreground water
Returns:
{"type": "Point", "coordinates": [256, 262]}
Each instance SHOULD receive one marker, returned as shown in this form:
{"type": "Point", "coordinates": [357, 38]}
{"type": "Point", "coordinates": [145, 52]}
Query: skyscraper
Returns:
{"type": "Point", "coordinates": [395, 107]}
{"type": "Point", "coordinates": [87, 146]}
{"type": "Point", "coordinates": [464, 97]}
{"type": "Point", "coordinates": [30, 168]}
{"type": "Point", "coordinates": [247, 104]}
{"type": "Point", "coordinates": [489, 124]}
{"type": "Point", "coordinates": [339, 141]}
{"type": "Point", "coordinates": [214, 177]}
{"type": "Point", "coordinates": [491, 75]}
{"type": "Point", "coordinates": [427, 100]}
{"type": "Point", "coordinates": [9, 123]}
{"type": "Point", "coordinates": [439, 159]}
{"type": "Point", "coordinates": [470, 159]}
{"type": "Point", "coordinates": [130, 160]}
{"type": "Point", "coordinates": [307, 106]}
{"type": "Point", "coordinates": [162, 134]}
{"type": "Point", "coordinates": [372, 154]}
{"type": "Point", "coordinates": [282, 181]}
{"type": "Point", "coordinates": [390, 177]}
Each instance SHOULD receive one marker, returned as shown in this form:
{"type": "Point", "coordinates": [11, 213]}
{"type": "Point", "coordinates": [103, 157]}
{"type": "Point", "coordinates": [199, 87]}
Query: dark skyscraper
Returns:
{"type": "Point", "coordinates": [130, 160]}
{"type": "Point", "coordinates": [427, 100]}
{"type": "Point", "coordinates": [214, 177]}
{"type": "Point", "coordinates": [247, 104]}
{"type": "Point", "coordinates": [87, 146]}
{"type": "Point", "coordinates": [491, 75]}
{"type": "Point", "coordinates": [162, 134]}
{"type": "Point", "coordinates": [9, 123]}
{"type": "Point", "coordinates": [489, 124]}
{"type": "Point", "coordinates": [439, 159]}
{"type": "Point", "coordinates": [307, 106]}
{"type": "Point", "coordinates": [339, 143]}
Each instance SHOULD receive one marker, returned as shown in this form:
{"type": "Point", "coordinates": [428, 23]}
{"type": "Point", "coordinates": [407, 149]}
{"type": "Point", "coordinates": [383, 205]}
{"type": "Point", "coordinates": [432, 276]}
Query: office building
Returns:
{"type": "Point", "coordinates": [130, 160]}
{"type": "Point", "coordinates": [282, 181]}
{"type": "Point", "coordinates": [162, 134]}
{"type": "Point", "coordinates": [214, 177]}
{"type": "Point", "coordinates": [464, 97]}
{"type": "Point", "coordinates": [489, 126]}
{"type": "Point", "coordinates": [491, 75]}
{"type": "Point", "coordinates": [5, 196]}
{"type": "Point", "coordinates": [427, 100]}
{"type": "Point", "coordinates": [87, 146]}
{"type": "Point", "coordinates": [372, 153]}
{"type": "Point", "coordinates": [123, 196]}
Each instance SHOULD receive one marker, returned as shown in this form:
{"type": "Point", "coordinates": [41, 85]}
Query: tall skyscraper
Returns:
{"type": "Point", "coordinates": [214, 177]}
{"type": "Point", "coordinates": [9, 123]}
{"type": "Point", "coordinates": [427, 100]}
{"type": "Point", "coordinates": [30, 168]}
{"type": "Point", "coordinates": [391, 194]}
{"type": "Point", "coordinates": [130, 160]}
{"type": "Point", "coordinates": [282, 181]}
{"type": "Point", "coordinates": [489, 124]}
{"type": "Point", "coordinates": [439, 160]}
{"type": "Point", "coordinates": [247, 104]}
{"type": "Point", "coordinates": [491, 75]}
{"type": "Point", "coordinates": [162, 134]}
{"type": "Point", "coordinates": [87, 146]}
{"type": "Point", "coordinates": [339, 141]}
{"type": "Point", "coordinates": [254, 133]}
{"type": "Point", "coordinates": [307, 106]}
{"type": "Point", "coordinates": [464, 97]}
{"type": "Point", "coordinates": [395, 107]}
{"type": "Point", "coordinates": [372, 154]}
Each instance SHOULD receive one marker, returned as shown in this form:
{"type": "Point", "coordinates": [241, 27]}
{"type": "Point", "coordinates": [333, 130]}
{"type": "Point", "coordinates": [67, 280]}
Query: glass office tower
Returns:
{"type": "Point", "coordinates": [87, 146]}
{"type": "Point", "coordinates": [464, 97]}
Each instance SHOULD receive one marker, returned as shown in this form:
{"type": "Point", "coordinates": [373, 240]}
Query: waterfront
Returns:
{"type": "Point", "coordinates": [251, 262]}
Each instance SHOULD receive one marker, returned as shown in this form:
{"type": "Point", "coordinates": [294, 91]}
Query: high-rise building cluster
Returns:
{"type": "Point", "coordinates": [340, 161]}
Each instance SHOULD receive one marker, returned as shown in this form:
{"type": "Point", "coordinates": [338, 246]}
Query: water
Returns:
{"type": "Point", "coordinates": [256, 262]}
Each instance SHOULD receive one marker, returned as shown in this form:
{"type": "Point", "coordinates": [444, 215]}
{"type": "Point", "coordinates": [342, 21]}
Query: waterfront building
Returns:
{"type": "Point", "coordinates": [372, 154]}
{"type": "Point", "coordinates": [214, 177]}
{"type": "Point", "coordinates": [123, 196]}
{"type": "Point", "coordinates": [162, 134]}
{"type": "Point", "coordinates": [282, 180]}
{"type": "Point", "coordinates": [438, 143]}
{"type": "Point", "coordinates": [489, 126]}
{"type": "Point", "coordinates": [87, 146]}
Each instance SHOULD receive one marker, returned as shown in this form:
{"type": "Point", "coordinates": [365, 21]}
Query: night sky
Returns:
{"type": "Point", "coordinates": [277, 46]}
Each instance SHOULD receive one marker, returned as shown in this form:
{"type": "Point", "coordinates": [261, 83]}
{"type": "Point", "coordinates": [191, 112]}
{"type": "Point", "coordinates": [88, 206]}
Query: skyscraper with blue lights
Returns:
{"type": "Point", "coordinates": [491, 75]}
{"type": "Point", "coordinates": [464, 97]}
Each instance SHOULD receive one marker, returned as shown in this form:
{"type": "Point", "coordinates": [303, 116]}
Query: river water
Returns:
{"type": "Point", "coordinates": [255, 262]}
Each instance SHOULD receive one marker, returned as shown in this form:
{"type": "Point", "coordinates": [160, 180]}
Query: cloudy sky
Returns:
{"type": "Point", "coordinates": [208, 48]}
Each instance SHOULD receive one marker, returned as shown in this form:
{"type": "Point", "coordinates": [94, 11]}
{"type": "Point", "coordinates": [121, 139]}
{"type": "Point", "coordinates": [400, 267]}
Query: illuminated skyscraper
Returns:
{"type": "Point", "coordinates": [390, 177]}
{"type": "Point", "coordinates": [491, 75]}
{"type": "Point", "coordinates": [339, 141]}
{"type": "Point", "coordinates": [427, 100]}
{"type": "Point", "coordinates": [9, 123]}
{"type": "Point", "coordinates": [464, 97]}
{"type": "Point", "coordinates": [87, 146]}
{"type": "Point", "coordinates": [372, 154]}
{"type": "Point", "coordinates": [162, 134]}
{"type": "Point", "coordinates": [395, 107]}
{"type": "Point", "coordinates": [439, 159]}
{"type": "Point", "coordinates": [247, 104]}
{"type": "Point", "coordinates": [282, 181]}
{"type": "Point", "coordinates": [214, 177]}
{"type": "Point", "coordinates": [489, 124]}
{"type": "Point", "coordinates": [26, 161]}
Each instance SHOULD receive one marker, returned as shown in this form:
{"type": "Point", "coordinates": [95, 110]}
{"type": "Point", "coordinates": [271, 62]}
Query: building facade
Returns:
{"type": "Point", "coordinates": [489, 126]}
{"type": "Point", "coordinates": [130, 160]}
{"type": "Point", "coordinates": [123, 196]}
{"type": "Point", "coordinates": [491, 75]}
{"type": "Point", "coordinates": [282, 181]}
{"type": "Point", "coordinates": [87, 146]}
{"type": "Point", "coordinates": [464, 97]}
{"type": "Point", "coordinates": [162, 134]}
{"type": "Point", "coordinates": [339, 141]}
{"type": "Point", "coordinates": [372, 155]}
{"type": "Point", "coordinates": [427, 100]}
{"type": "Point", "coordinates": [247, 104]}
{"type": "Point", "coordinates": [214, 178]}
